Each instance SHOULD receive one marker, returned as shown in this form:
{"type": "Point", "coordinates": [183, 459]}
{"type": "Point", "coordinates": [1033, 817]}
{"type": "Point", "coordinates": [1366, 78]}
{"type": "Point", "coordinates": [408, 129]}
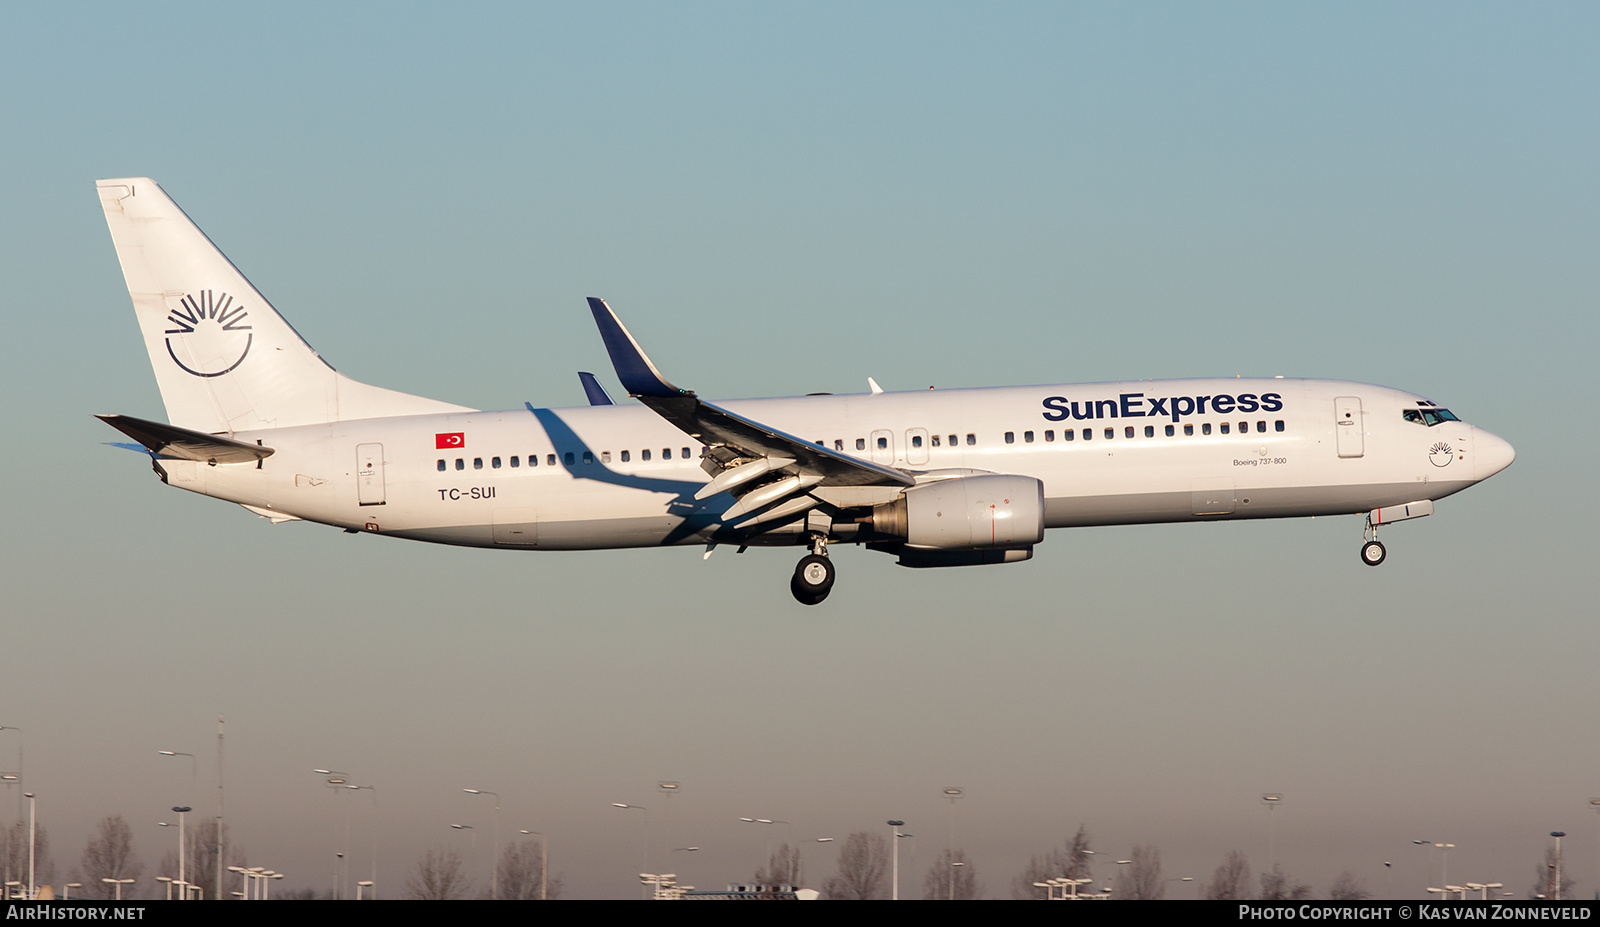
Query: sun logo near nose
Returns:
{"type": "Point", "coordinates": [210, 337]}
{"type": "Point", "coordinates": [1441, 454]}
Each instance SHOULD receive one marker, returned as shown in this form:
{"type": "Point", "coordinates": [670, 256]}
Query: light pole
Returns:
{"type": "Point", "coordinates": [895, 829]}
{"type": "Point", "coordinates": [1271, 800]}
{"type": "Point", "coordinates": [544, 863]}
{"type": "Point", "coordinates": [336, 781]}
{"type": "Point", "coordinates": [1444, 861]}
{"type": "Point", "coordinates": [183, 879]}
{"type": "Point", "coordinates": [373, 884]}
{"type": "Point", "coordinates": [953, 794]}
{"type": "Point", "coordinates": [667, 788]}
{"type": "Point", "coordinates": [118, 883]}
{"type": "Point", "coordinates": [1595, 804]}
{"type": "Point", "coordinates": [1558, 834]}
{"type": "Point", "coordinates": [494, 874]}
{"type": "Point", "coordinates": [10, 778]}
{"type": "Point", "coordinates": [627, 807]}
{"type": "Point", "coordinates": [33, 891]}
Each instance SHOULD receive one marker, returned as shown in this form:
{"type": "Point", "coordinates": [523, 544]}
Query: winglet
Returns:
{"type": "Point", "coordinates": [591, 388]}
{"type": "Point", "coordinates": [639, 377]}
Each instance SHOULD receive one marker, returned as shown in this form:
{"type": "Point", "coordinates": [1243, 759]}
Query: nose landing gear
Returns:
{"type": "Point", "coordinates": [813, 577]}
{"type": "Point", "coordinates": [1372, 552]}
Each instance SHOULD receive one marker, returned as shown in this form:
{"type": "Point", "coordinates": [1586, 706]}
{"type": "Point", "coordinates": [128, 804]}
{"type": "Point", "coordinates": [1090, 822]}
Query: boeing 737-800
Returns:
{"type": "Point", "coordinates": [937, 478]}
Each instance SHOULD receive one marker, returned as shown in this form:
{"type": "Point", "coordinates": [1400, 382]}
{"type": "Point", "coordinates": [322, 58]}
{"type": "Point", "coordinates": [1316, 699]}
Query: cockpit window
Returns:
{"type": "Point", "coordinates": [1429, 417]}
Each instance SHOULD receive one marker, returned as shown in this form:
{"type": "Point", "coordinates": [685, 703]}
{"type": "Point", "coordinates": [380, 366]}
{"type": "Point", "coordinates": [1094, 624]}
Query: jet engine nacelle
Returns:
{"type": "Point", "coordinates": [968, 513]}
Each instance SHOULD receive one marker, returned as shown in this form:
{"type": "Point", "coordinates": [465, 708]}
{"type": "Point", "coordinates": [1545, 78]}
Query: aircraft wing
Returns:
{"type": "Point", "coordinates": [714, 425]}
{"type": "Point", "coordinates": [184, 444]}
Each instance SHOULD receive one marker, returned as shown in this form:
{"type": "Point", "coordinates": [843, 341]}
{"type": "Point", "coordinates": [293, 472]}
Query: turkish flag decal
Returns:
{"type": "Point", "coordinates": [454, 439]}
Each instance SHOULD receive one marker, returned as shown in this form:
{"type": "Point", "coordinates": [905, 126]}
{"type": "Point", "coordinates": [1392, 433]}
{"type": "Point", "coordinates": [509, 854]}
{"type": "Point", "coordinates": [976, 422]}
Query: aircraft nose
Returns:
{"type": "Point", "coordinates": [1493, 453]}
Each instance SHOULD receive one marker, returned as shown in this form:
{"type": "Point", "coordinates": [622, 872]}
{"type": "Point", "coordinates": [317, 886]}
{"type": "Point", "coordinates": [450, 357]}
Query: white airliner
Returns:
{"type": "Point", "coordinates": [935, 477]}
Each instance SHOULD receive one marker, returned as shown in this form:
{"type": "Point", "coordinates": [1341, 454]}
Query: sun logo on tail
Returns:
{"type": "Point", "coordinates": [210, 334]}
{"type": "Point", "coordinates": [1441, 454]}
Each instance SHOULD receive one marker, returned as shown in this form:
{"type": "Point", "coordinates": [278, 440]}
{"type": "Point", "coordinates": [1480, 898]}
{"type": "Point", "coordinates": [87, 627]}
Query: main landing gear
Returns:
{"type": "Point", "coordinates": [813, 577]}
{"type": "Point", "coordinates": [1372, 552]}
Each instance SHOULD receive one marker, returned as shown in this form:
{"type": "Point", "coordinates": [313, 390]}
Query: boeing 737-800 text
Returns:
{"type": "Point", "coordinates": [935, 477]}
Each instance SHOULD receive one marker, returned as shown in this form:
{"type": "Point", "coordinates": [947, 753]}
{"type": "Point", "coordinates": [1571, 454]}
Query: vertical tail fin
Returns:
{"type": "Point", "coordinates": [225, 360]}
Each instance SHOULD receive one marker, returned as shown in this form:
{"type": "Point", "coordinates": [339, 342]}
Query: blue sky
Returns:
{"type": "Point", "coordinates": [784, 199]}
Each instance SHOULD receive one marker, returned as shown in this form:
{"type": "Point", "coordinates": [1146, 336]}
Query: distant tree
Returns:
{"type": "Point", "coordinates": [1348, 888]}
{"type": "Point", "coordinates": [1143, 881]}
{"type": "Point", "coordinates": [1068, 861]}
{"type": "Point", "coordinates": [952, 878]}
{"type": "Point", "coordinates": [783, 868]}
{"type": "Point", "coordinates": [44, 869]}
{"type": "Point", "coordinates": [440, 876]}
{"type": "Point", "coordinates": [522, 873]}
{"type": "Point", "coordinates": [863, 869]}
{"type": "Point", "coordinates": [1544, 885]}
{"type": "Point", "coordinates": [109, 855]}
{"type": "Point", "coordinates": [1231, 880]}
{"type": "Point", "coordinates": [1277, 886]}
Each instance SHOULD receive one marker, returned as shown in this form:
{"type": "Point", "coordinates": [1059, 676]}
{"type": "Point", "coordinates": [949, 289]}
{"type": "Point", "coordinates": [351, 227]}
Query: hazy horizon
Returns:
{"type": "Point", "coordinates": [781, 200]}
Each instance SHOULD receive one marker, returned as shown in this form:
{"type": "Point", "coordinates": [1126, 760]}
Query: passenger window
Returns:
{"type": "Point", "coordinates": [935, 440]}
{"type": "Point", "coordinates": [1110, 433]}
{"type": "Point", "coordinates": [916, 440]}
{"type": "Point", "coordinates": [1261, 426]}
{"type": "Point", "coordinates": [1049, 435]}
{"type": "Point", "coordinates": [1149, 431]}
{"type": "Point", "coordinates": [588, 457]}
{"type": "Point", "coordinates": [568, 458]}
{"type": "Point", "coordinates": [1127, 432]}
{"type": "Point", "coordinates": [1244, 428]}
{"type": "Point", "coordinates": [461, 464]}
{"type": "Point", "coordinates": [477, 463]}
{"type": "Point", "coordinates": [441, 465]}
{"type": "Point", "coordinates": [605, 456]}
{"type": "Point", "coordinates": [1068, 435]}
{"type": "Point", "coordinates": [1205, 429]}
{"type": "Point", "coordinates": [625, 456]}
{"type": "Point", "coordinates": [685, 454]}
{"type": "Point", "coordinates": [1027, 437]}
{"type": "Point", "coordinates": [1171, 431]}
{"type": "Point", "coordinates": [1088, 434]}
{"type": "Point", "coordinates": [971, 440]}
{"type": "Point", "coordinates": [883, 444]}
{"type": "Point", "coordinates": [550, 459]}
{"type": "Point", "coordinates": [838, 444]}
{"type": "Point", "coordinates": [666, 453]}
{"type": "Point", "coordinates": [1224, 427]}
{"type": "Point", "coordinates": [515, 463]}
{"type": "Point", "coordinates": [1188, 429]}
{"type": "Point", "coordinates": [1011, 437]}
{"type": "Point", "coordinates": [1278, 425]}
{"type": "Point", "coordinates": [861, 444]}
{"type": "Point", "coordinates": [494, 462]}
{"type": "Point", "coordinates": [644, 455]}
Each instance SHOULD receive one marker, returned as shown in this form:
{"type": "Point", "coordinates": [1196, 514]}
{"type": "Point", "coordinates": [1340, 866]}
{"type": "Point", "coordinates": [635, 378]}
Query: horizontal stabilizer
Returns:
{"type": "Point", "coordinates": [183, 444]}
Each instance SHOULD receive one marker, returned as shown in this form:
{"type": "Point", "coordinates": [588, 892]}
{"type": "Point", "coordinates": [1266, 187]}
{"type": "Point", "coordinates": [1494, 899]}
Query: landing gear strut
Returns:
{"type": "Point", "coordinates": [1372, 552]}
{"type": "Point", "coordinates": [813, 577]}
